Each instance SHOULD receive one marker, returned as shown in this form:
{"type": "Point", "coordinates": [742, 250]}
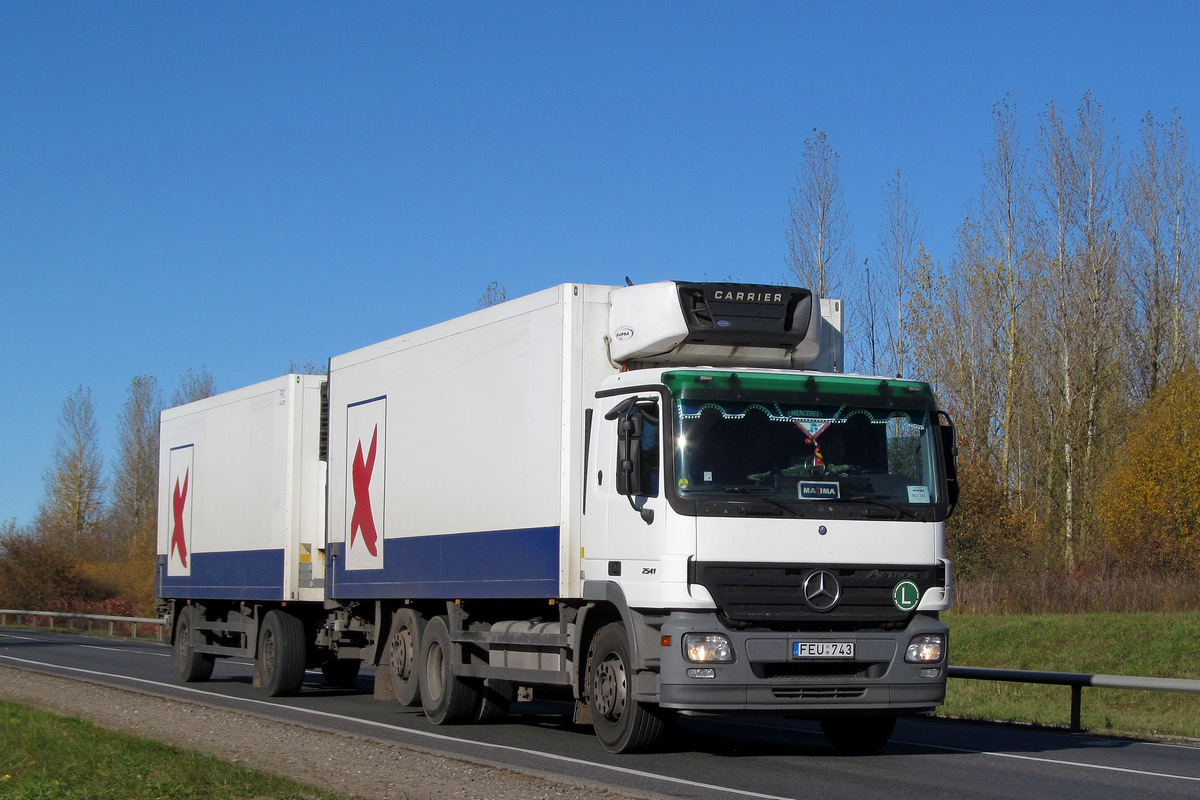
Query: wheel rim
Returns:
{"type": "Point", "coordinates": [611, 687]}
{"type": "Point", "coordinates": [434, 662]}
{"type": "Point", "coordinates": [184, 637]}
{"type": "Point", "coordinates": [268, 653]}
{"type": "Point", "coordinates": [402, 654]}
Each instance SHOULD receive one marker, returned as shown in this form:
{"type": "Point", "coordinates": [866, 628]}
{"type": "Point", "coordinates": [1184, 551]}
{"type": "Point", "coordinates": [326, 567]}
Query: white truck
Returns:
{"type": "Point", "coordinates": [649, 499]}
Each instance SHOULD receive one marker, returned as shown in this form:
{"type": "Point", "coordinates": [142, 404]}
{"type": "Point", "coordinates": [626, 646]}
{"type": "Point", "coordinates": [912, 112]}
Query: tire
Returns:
{"type": "Point", "coordinates": [404, 654]}
{"type": "Point", "coordinates": [495, 697]}
{"type": "Point", "coordinates": [447, 698]}
{"type": "Point", "coordinates": [622, 724]}
{"type": "Point", "coordinates": [279, 668]}
{"type": "Point", "coordinates": [341, 672]}
{"type": "Point", "coordinates": [191, 666]}
{"type": "Point", "coordinates": [859, 735]}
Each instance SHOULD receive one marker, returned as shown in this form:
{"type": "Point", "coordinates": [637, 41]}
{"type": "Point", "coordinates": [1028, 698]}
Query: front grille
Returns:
{"type": "Point", "coordinates": [770, 593]}
{"type": "Point", "coordinates": [820, 693]}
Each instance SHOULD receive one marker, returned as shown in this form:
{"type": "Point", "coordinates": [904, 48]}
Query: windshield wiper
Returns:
{"type": "Point", "coordinates": [899, 511]}
{"type": "Point", "coordinates": [743, 490]}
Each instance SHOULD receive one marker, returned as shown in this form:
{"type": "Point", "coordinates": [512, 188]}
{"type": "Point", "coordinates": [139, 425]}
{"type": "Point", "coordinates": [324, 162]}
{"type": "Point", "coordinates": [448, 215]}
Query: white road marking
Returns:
{"type": "Point", "coordinates": [125, 650]}
{"type": "Point", "coordinates": [582, 762]}
{"type": "Point", "coordinates": [425, 734]}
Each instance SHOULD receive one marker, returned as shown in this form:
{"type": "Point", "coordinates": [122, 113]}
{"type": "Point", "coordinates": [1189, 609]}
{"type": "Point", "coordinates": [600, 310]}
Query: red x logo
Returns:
{"type": "Point", "coordinates": [363, 520]}
{"type": "Point", "coordinates": [177, 540]}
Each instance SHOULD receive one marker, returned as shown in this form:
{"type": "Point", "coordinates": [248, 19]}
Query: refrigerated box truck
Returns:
{"type": "Point", "coordinates": [646, 499]}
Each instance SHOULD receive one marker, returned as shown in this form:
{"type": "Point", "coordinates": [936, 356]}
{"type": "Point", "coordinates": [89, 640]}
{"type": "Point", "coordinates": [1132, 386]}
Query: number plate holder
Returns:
{"type": "Point", "coordinates": [844, 651]}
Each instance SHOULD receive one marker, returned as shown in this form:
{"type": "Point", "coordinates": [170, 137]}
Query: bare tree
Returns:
{"type": "Point", "coordinates": [818, 230]}
{"type": "Point", "coordinates": [1079, 184]}
{"type": "Point", "coordinates": [1007, 207]}
{"type": "Point", "coordinates": [1160, 201]}
{"type": "Point", "coordinates": [193, 386]}
{"type": "Point", "coordinates": [898, 240]}
{"type": "Point", "coordinates": [135, 484]}
{"type": "Point", "coordinates": [73, 508]}
{"type": "Point", "coordinates": [309, 367]}
{"type": "Point", "coordinates": [492, 295]}
{"type": "Point", "coordinates": [868, 345]}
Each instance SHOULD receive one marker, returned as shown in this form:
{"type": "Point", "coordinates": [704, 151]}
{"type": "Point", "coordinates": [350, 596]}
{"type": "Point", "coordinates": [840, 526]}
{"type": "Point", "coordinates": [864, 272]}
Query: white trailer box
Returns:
{"type": "Point", "coordinates": [454, 461]}
{"type": "Point", "coordinates": [242, 494]}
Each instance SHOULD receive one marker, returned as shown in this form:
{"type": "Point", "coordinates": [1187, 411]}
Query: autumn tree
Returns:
{"type": "Point", "coordinates": [37, 574]}
{"type": "Point", "coordinates": [1149, 505]}
{"type": "Point", "coordinates": [73, 508]}
{"type": "Point", "coordinates": [135, 483]}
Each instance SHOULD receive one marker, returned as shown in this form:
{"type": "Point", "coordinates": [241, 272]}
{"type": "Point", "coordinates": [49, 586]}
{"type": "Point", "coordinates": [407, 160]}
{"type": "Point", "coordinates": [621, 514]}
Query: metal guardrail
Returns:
{"type": "Point", "coordinates": [133, 622]}
{"type": "Point", "coordinates": [1077, 681]}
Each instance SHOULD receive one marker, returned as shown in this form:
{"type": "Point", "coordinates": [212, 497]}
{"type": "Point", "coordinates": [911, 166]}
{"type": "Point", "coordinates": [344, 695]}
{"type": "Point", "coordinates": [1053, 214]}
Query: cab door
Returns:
{"type": "Point", "coordinates": [624, 497]}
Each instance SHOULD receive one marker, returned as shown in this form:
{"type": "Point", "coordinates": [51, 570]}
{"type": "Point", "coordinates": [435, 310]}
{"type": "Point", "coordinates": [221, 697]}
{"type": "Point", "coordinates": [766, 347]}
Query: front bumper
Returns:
{"type": "Point", "coordinates": [764, 677]}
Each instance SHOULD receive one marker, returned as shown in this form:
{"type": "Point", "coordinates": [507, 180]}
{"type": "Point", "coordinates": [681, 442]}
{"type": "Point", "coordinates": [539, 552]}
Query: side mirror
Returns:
{"type": "Point", "coordinates": [629, 453]}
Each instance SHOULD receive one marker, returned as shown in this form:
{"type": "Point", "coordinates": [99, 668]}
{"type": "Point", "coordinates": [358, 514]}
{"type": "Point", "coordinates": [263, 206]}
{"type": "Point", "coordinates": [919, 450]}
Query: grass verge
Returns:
{"type": "Point", "coordinates": [45, 756]}
{"type": "Point", "coordinates": [1146, 644]}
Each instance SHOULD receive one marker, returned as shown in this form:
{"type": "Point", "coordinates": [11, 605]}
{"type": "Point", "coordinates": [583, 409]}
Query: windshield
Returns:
{"type": "Point", "coordinates": [802, 440]}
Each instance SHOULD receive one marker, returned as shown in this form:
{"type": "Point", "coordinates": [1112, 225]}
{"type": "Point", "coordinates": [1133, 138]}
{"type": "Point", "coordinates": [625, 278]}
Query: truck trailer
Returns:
{"type": "Point", "coordinates": [646, 500]}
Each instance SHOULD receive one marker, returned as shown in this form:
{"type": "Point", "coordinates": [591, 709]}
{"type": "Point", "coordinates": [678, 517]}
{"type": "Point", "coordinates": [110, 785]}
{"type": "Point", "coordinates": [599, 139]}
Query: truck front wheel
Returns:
{"type": "Point", "coordinates": [446, 697]}
{"type": "Point", "coordinates": [192, 667]}
{"type": "Point", "coordinates": [623, 725]}
{"type": "Point", "coordinates": [279, 667]}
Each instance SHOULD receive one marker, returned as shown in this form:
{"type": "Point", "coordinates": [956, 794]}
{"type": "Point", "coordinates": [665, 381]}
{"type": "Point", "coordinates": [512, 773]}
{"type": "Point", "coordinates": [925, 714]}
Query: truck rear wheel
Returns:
{"type": "Point", "coordinates": [192, 667]}
{"type": "Point", "coordinates": [859, 735]}
{"type": "Point", "coordinates": [623, 725]}
{"type": "Point", "coordinates": [446, 697]}
{"type": "Point", "coordinates": [404, 650]}
{"type": "Point", "coordinates": [279, 667]}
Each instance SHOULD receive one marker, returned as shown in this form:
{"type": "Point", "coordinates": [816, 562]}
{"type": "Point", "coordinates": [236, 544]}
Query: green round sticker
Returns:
{"type": "Point", "coordinates": [906, 595]}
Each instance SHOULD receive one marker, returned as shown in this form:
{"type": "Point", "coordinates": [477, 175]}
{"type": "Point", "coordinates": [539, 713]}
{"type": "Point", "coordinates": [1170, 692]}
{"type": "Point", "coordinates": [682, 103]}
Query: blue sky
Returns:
{"type": "Point", "coordinates": [243, 185]}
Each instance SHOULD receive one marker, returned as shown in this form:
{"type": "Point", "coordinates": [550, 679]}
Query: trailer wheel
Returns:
{"type": "Point", "coordinates": [446, 697]}
{"type": "Point", "coordinates": [404, 649]}
{"type": "Point", "coordinates": [279, 667]}
{"type": "Point", "coordinates": [859, 735]}
{"type": "Point", "coordinates": [623, 725]}
{"type": "Point", "coordinates": [341, 672]}
{"type": "Point", "coordinates": [192, 667]}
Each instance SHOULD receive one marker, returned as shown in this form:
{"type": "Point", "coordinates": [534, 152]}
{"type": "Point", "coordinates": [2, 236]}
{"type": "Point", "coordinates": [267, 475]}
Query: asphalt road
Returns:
{"type": "Point", "coordinates": [705, 758]}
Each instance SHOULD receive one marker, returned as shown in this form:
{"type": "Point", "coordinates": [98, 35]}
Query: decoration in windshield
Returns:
{"type": "Point", "coordinates": [803, 451]}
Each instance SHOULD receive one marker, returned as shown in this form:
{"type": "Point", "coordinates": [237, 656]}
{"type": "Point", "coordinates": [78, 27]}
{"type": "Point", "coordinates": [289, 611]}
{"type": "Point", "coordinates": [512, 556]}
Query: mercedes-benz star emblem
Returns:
{"type": "Point", "coordinates": [822, 590]}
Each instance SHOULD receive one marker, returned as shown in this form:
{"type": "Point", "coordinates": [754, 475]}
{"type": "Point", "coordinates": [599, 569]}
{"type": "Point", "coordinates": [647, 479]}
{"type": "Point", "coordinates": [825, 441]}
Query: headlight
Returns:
{"type": "Point", "coordinates": [704, 648]}
{"type": "Point", "coordinates": [926, 648]}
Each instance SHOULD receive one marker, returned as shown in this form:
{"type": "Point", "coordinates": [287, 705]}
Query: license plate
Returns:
{"type": "Point", "coordinates": [822, 649]}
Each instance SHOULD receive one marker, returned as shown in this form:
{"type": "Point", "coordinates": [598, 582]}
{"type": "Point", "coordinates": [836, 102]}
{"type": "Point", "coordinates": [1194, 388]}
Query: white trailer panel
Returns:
{"type": "Point", "coordinates": [456, 452]}
{"type": "Point", "coordinates": [242, 494]}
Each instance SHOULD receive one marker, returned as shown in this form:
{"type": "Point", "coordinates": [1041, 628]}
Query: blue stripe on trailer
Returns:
{"type": "Point", "coordinates": [236, 575]}
{"type": "Point", "coordinates": [521, 563]}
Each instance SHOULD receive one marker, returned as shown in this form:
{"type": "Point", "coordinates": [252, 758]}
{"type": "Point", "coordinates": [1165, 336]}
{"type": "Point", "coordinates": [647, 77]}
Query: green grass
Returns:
{"type": "Point", "coordinates": [1146, 644]}
{"type": "Point", "coordinates": [46, 756]}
